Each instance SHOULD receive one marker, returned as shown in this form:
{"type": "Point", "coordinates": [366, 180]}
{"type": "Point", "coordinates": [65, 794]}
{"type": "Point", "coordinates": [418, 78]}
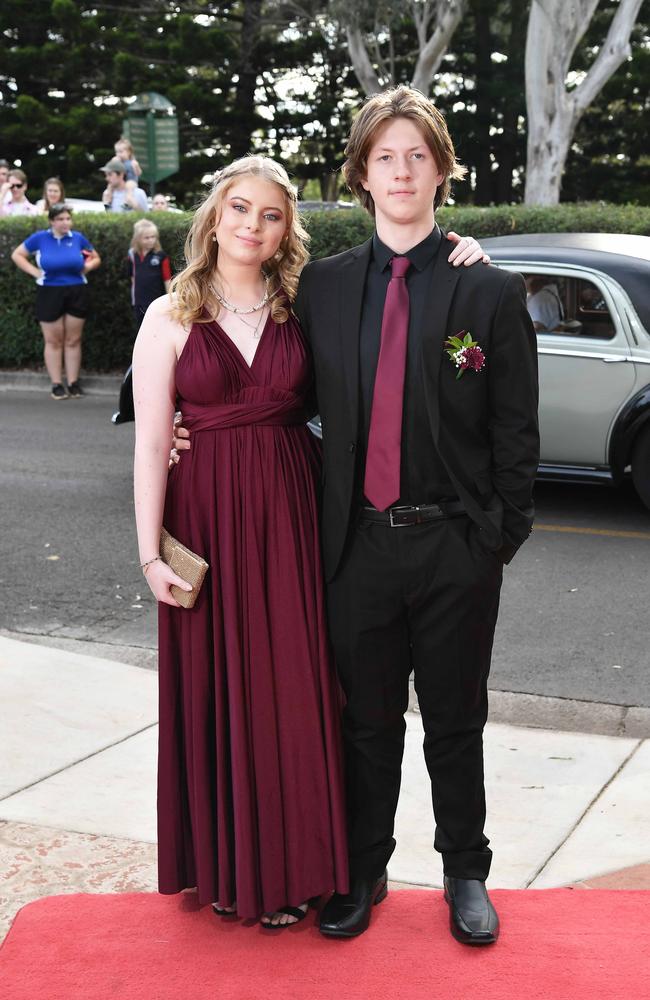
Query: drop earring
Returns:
{"type": "Point", "coordinates": [214, 238]}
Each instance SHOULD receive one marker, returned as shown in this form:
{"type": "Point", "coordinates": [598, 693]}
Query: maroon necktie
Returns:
{"type": "Point", "coordinates": [382, 480]}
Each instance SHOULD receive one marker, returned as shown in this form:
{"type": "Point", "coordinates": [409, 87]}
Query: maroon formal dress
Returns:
{"type": "Point", "coordinates": [250, 787]}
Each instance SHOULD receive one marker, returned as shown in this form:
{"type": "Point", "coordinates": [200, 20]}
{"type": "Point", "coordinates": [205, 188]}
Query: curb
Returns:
{"type": "Point", "coordinates": [93, 385]}
{"type": "Point", "coordinates": [512, 708]}
{"type": "Point", "coordinates": [137, 656]}
{"type": "Point", "coordinates": [567, 715]}
{"type": "Point", "coordinates": [593, 718]}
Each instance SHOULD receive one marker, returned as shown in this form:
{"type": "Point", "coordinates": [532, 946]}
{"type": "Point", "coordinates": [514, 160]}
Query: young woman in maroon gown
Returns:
{"type": "Point", "coordinates": [250, 786]}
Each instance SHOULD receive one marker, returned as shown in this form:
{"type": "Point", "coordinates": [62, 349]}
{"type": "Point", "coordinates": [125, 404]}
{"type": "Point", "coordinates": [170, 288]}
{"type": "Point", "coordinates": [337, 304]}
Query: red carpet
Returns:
{"type": "Point", "coordinates": [557, 944]}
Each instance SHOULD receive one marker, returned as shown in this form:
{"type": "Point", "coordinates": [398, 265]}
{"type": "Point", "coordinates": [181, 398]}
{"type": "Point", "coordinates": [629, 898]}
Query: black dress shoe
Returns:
{"type": "Point", "coordinates": [348, 916]}
{"type": "Point", "coordinates": [472, 918]}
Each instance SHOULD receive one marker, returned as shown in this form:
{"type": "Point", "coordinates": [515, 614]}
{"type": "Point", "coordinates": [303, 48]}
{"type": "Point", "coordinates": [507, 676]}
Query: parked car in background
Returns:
{"type": "Point", "coordinates": [323, 206]}
{"type": "Point", "coordinates": [85, 205]}
{"type": "Point", "coordinates": [170, 207]}
{"type": "Point", "coordinates": [594, 363]}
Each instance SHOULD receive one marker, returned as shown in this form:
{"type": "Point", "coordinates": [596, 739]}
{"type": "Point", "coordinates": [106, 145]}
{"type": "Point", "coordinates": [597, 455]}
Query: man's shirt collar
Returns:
{"type": "Point", "coordinates": [420, 255]}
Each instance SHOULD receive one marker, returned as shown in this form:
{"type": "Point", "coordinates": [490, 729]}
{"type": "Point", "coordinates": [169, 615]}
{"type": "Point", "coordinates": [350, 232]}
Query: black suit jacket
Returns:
{"type": "Point", "coordinates": [484, 424]}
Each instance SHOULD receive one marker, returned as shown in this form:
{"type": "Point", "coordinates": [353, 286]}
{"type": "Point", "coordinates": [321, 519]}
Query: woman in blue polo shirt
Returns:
{"type": "Point", "coordinates": [63, 258]}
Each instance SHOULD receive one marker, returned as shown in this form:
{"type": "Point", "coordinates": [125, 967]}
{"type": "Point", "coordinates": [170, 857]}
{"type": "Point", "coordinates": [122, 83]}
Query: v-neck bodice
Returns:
{"type": "Point", "coordinates": [237, 349]}
{"type": "Point", "coordinates": [217, 388]}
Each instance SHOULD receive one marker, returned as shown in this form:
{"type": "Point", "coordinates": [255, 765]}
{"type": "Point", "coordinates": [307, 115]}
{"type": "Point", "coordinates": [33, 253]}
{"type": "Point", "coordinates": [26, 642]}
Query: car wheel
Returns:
{"type": "Point", "coordinates": [641, 465]}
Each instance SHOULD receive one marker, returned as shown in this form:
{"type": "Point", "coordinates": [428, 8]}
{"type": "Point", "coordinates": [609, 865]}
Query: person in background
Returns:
{"type": "Point", "coordinates": [18, 203]}
{"type": "Point", "coordinates": [544, 303]}
{"type": "Point", "coordinates": [125, 152]}
{"type": "Point", "coordinates": [117, 196]}
{"type": "Point", "coordinates": [148, 268]}
{"type": "Point", "coordinates": [591, 299]}
{"type": "Point", "coordinates": [5, 194]}
{"type": "Point", "coordinates": [53, 194]}
{"type": "Point", "coordinates": [149, 271]}
{"type": "Point", "coordinates": [63, 259]}
{"type": "Point", "coordinates": [159, 203]}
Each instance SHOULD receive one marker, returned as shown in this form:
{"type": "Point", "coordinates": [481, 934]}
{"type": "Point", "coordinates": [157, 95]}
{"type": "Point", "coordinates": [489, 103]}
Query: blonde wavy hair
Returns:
{"type": "Point", "coordinates": [191, 288]}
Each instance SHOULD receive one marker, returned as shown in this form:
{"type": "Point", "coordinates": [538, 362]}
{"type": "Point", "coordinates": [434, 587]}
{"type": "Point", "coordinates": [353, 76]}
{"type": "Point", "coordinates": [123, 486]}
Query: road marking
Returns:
{"type": "Point", "coordinates": [610, 533]}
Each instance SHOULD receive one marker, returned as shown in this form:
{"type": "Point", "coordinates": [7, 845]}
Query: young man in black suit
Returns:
{"type": "Point", "coordinates": [430, 454]}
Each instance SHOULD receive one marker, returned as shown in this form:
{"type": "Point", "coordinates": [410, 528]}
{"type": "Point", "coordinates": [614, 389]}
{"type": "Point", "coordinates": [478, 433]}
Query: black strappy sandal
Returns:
{"type": "Point", "coordinates": [291, 911]}
{"type": "Point", "coordinates": [220, 912]}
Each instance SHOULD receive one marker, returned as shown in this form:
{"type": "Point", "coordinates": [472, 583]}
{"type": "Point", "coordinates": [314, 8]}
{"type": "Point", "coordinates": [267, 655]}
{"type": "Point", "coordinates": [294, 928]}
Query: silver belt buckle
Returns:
{"type": "Point", "coordinates": [397, 511]}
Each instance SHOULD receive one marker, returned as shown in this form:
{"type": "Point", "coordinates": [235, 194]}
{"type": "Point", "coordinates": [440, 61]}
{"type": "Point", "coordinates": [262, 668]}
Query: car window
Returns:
{"type": "Point", "coordinates": [565, 306]}
{"type": "Point", "coordinates": [591, 310]}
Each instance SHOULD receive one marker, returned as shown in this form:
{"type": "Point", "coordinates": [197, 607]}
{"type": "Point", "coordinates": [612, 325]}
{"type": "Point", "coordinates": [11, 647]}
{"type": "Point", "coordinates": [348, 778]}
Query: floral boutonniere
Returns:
{"type": "Point", "coordinates": [465, 353]}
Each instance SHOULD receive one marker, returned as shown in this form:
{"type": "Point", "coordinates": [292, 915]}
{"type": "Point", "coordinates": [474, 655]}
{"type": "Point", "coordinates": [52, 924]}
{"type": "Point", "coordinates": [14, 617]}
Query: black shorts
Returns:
{"type": "Point", "coordinates": [54, 301]}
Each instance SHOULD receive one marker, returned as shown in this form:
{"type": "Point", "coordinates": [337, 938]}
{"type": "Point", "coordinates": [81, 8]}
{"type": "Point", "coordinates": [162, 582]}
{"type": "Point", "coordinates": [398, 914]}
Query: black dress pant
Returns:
{"type": "Point", "coordinates": [422, 598]}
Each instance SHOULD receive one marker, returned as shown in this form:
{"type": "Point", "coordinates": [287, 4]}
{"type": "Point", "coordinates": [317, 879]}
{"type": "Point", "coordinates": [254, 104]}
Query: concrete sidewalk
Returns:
{"type": "Point", "coordinates": [77, 793]}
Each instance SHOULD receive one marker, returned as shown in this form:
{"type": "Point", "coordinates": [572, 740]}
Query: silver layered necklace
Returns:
{"type": "Point", "coordinates": [239, 312]}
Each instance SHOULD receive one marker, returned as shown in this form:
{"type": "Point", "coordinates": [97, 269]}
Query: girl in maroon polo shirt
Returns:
{"type": "Point", "coordinates": [148, 268]}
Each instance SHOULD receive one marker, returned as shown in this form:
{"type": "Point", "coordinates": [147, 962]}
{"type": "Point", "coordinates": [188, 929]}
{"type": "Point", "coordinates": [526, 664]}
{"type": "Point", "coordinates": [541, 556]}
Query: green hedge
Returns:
{"type": "Point", "coordinates": [505, 220]}
{"type": "Point", "coordinates": [108, 338]}
{"type": "Point", "coordinates": [109, 332]}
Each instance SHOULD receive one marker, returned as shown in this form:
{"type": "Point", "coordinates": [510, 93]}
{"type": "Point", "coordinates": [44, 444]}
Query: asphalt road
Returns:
{"type": "Point", "coordinates": [574, 618]}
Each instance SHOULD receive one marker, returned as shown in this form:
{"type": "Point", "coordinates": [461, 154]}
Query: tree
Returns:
{"type": "Point", "coordinates": [67, 72]}
{"type": "Point", "coordinates": [478, 88]}
{"type": "Point", "coordinates": [469, 56]}
{"type": "Point", "coordinates": [608, 159]}
{"type": "Point", "coordinates": [372, 29]}
{"type": "Point", "coordinates": [275, 76]}
{"type": "Point", "coordinates": [68, 69]}
{"type": "Point", "coordinates": [314, 112]}
{"type": "Point", "coordinates": [555, 27]}
{"type": "Point", "coordinates": [327, 119]}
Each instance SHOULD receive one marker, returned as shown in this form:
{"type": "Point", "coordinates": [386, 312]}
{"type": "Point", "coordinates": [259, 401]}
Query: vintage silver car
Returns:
{"type": "Point", "coordinates": [594, 351]}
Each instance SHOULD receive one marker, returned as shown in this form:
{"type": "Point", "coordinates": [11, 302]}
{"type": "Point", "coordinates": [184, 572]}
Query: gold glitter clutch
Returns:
{"type": "Point", "coordinates": [186, 564]}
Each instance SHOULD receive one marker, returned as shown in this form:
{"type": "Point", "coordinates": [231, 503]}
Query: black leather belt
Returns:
{"type": "Point", "coordinates": [402, 517]}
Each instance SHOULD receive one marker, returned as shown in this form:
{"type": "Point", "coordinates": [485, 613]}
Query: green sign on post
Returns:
{"type": "Point", "coordinates": [152, 128]}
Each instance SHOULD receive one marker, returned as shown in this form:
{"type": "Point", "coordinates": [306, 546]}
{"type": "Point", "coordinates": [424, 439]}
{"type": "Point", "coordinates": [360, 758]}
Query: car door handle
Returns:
{"type": "Point", "coordinates": [615, 360]}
